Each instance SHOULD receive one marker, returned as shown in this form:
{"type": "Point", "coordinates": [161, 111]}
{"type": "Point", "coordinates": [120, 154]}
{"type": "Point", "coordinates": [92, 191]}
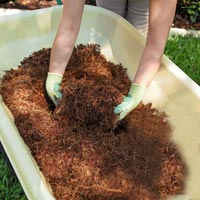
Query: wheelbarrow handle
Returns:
{"type": "Point", "coordinates": [59, 2]}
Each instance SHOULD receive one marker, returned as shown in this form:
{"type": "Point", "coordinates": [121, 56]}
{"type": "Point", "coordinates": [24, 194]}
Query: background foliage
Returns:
{"type": "Point", "coordinates": [189, 9]}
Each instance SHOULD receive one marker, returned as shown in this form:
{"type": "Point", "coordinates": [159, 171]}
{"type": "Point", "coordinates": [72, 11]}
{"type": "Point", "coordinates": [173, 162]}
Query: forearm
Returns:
{"type": "Point", "coordinates": [161, 14]}
{"type": "Point", "coordinates": [66, 35]}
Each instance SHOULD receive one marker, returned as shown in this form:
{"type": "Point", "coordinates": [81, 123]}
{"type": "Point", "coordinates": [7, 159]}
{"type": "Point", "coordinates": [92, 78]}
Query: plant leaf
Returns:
{"type": "Point", "coordinates": [193, 18]}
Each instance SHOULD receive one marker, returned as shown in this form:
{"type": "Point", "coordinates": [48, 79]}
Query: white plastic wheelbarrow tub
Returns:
{"type": "Point", "coordinates": [171, 91]}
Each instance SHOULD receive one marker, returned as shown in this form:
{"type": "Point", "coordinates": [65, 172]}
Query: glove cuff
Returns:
{"type": "Point", "coordinates": [55, 77]}
{"type": "Point", "coordinates": [137, 91]}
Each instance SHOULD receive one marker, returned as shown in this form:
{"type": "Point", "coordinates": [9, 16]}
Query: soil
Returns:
{"type": "Point", "coordinates": [180, 21]}
{"type": "Point", "coordinates": [80, 150]}
{"type": "Point", "coordinates": [184, 22]}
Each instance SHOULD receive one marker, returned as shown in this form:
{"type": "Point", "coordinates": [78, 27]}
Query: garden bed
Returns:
{"type": "Point", "coordinates": [77, 146]}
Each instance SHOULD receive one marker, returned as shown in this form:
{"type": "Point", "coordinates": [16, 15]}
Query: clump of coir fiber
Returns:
{"type": "Point", "coordinates": [91, 88]}
{"type": "Point", "coordinates": [79, 157]}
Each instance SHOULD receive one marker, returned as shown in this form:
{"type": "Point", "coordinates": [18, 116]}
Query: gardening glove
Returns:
{"type": "Point", "coordinates": [53, 82]}
{"type": "Point", "coordinates": [180, 197]}
{"type": "Point", "coordinates": [130, 101]}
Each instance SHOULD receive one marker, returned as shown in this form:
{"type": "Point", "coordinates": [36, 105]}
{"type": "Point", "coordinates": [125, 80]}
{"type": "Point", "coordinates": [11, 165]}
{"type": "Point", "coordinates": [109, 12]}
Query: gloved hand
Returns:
{"type": "Point", "coordinates": [53, 82]}
{"type": "Point", "coordinates": [130, 101]}
{"type": "Point", "coordinates": [180, 197]}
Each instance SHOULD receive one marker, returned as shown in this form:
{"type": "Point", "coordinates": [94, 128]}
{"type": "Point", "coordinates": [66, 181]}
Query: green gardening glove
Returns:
{"type": "Point", "coordinates": [53, 82]}
{"type": "Point", "coordinates": [180, 197]}
{"type": "Point", "coordinates": [130, 101]}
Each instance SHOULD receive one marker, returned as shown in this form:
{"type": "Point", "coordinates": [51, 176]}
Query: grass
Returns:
{"type": "Point", "coordinates": [183, 51]}
{"type": "Point", "coordinates": [10, 188]}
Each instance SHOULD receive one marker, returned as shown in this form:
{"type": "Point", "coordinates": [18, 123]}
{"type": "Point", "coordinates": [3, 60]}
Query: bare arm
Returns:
{"type": "Point", "coordinates": [161, 14]}
{"type": "Point", "coordinates": [66, 35]}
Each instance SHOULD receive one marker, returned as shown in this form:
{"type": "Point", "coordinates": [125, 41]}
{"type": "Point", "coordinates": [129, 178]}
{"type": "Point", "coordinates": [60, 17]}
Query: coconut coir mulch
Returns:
{"type": "Point", "coordinates": [80, 150]}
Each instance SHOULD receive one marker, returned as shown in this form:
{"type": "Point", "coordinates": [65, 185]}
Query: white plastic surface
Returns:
{"type": "Point", "coordinates": [7, 11]}
{"type": "Point", "coordinates": [171, 91]}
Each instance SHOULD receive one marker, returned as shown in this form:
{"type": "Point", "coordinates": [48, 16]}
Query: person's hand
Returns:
{"type": "Point", "coordinates": [130, 101]}
{"type": "Point", "coordinates": [53, 82]}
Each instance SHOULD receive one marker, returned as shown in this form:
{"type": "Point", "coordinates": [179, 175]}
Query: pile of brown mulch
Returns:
{"type": "Point", "coordinates": [27, 4]}
{"type": "Point", "coordinates": [32, 4]}
{"type": "Point", "coordinates": [92, 87]}
{"type": "Point", "coordinates": [79, 152]}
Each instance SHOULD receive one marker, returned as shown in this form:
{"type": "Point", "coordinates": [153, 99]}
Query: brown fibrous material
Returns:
{"type": "Point", "coordinates": [77, 145]}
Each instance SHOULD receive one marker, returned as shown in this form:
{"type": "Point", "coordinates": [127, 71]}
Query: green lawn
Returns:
{"type": "Point", "coordinates": [183, 51]}
{"type": "Point", "coordinates": [10, 188]}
